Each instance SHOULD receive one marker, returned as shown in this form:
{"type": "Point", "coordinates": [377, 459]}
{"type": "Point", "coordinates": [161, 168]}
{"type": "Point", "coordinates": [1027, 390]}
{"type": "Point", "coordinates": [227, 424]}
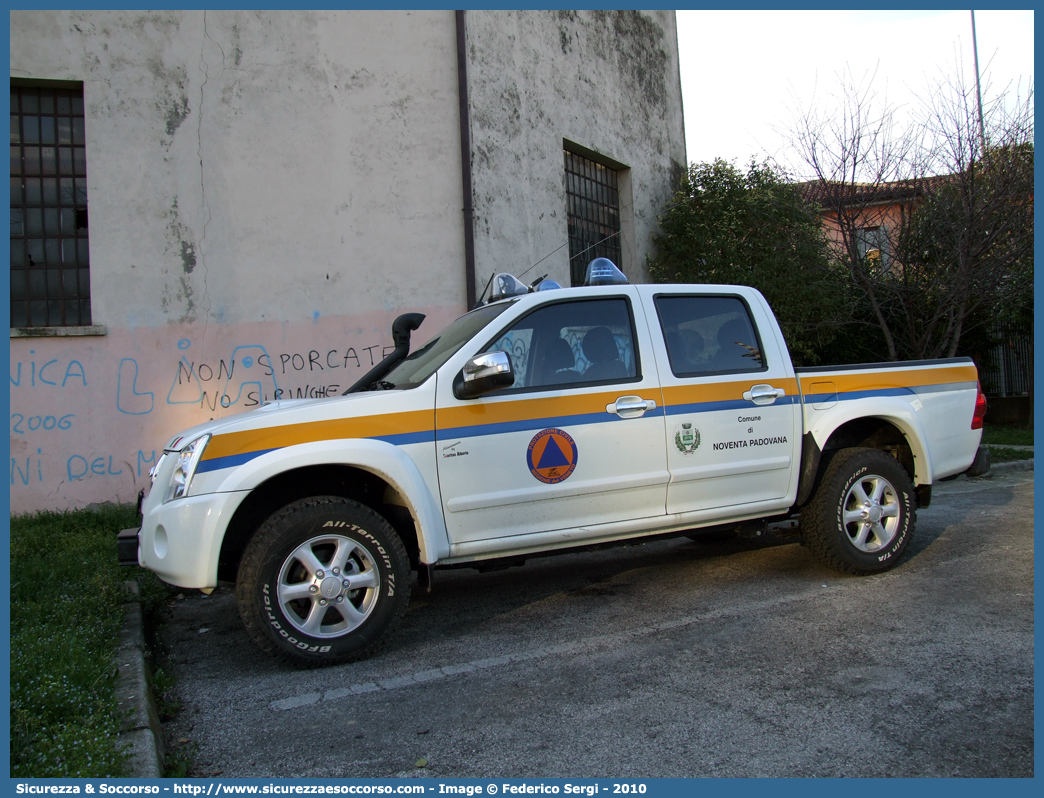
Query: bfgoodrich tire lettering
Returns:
{"type": "Point", "coordinates": [324, 580]}
{"type": "Point", "coordinates": [861, 517]}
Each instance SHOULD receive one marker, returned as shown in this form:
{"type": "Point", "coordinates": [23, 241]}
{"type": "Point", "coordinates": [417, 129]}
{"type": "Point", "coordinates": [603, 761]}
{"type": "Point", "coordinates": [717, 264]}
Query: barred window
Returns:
{"type": "Point", "coordinates": [50, 283]}
{"type": "Point", "coordinates": [593, 213]}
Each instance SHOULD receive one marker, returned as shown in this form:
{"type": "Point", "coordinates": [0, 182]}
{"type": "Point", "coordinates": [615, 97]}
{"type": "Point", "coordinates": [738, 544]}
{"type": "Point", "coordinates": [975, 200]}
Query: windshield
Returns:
{"type": "Point", "coordinates": [424, 362]}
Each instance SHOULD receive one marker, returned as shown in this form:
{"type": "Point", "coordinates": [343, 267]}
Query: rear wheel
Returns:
{"type": "Point", "coordinates": [861, 517]}
{"type": "Point", "coordinates": [324, 580]}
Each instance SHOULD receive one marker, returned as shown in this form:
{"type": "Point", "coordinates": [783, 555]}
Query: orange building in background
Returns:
{"type": "Point", "coordinates": [873, 214]}
{"type": "Point", "coordinates": [869, 218]}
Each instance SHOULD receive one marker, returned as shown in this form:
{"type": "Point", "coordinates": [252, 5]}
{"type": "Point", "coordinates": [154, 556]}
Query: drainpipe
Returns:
{"type": "Point", "coordinates": [465, 160]}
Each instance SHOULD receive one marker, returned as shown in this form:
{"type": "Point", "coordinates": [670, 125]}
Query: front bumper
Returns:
{"type": "Point", "coordinates": [127, 546]}
{"type": "Point", "coordinates": [181, 540]}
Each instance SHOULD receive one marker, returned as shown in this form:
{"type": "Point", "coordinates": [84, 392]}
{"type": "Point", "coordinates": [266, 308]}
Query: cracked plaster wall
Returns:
{"type": "Point", "coordinates": [606, 80]}
{"type": "Point", "coordinates": [270, 188]}
{"type": "Point", "coordinates": [235, 159]}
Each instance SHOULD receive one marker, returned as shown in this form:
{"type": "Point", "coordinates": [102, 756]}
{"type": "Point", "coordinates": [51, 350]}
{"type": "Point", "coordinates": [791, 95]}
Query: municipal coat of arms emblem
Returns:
{"type": "Point", "coordinates": [687, 438]}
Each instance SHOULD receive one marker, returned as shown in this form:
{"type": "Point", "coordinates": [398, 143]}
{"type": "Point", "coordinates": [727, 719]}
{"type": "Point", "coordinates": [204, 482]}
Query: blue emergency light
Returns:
{"type": "Point", "coordinates": [602, 271]}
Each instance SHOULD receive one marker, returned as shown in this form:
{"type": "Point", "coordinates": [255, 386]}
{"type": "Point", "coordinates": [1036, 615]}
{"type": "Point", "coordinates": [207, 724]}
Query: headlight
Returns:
{"type": "Point", "coordinates": [185, 467]}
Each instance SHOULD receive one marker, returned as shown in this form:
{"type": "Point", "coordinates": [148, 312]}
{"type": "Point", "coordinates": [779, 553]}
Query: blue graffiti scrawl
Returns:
{"type": "Point", "coordinates": [52, 368]}
{"type": "Point", "coordinates": [128, 399]}
{"type": "Point", "coordinates": [242, 380]}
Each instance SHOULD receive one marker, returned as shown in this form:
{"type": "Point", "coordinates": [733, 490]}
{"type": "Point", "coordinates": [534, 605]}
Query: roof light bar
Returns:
{"type": "Point", "coordinates": [602, 271]}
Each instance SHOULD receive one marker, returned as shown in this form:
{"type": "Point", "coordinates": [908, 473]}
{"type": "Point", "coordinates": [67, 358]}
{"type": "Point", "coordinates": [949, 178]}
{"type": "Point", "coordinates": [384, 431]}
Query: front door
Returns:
{"type": "Point", "coordinates": [577, 441]}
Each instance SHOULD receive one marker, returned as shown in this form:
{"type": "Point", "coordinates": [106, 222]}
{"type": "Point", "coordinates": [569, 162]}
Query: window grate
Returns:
{"type": "Point", "coordinates": [593, 213]}
{"type": "Point", "coordinates": [50, 262]}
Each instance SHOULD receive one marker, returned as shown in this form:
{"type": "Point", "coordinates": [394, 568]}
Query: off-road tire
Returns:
{"type": "Point", "coordinates": [273, 569]}
{"type": "Point", "coordinates": [835, 541]}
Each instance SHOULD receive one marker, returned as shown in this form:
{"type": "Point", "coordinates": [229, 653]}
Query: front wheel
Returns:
{"type": "Point", "coordinates": [324, 580]}
{"type": "Point", "coordinates": [861, 517]}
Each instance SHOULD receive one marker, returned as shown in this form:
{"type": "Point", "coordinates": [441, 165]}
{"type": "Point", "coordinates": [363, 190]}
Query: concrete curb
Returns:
{"type": "Point", "coordinates": [141, 733]}
{"type": "Point", "coordinates": [1014, 465]}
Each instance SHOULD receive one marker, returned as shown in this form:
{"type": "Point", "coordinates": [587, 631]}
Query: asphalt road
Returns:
{"type": "Point", "coordinates": [673, 658]}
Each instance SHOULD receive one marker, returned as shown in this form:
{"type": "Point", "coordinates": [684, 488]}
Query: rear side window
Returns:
{"type": "Point", "coordinates": [571, 343]}
{"type": "Point", "coordinates": [709, 335]}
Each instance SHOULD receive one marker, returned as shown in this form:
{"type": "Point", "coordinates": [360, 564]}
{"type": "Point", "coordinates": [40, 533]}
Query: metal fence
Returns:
{"type": "Point", "coordinates": [1009, 368]}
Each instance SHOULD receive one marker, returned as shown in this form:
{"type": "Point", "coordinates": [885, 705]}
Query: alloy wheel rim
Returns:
{"type": "Point", "coordinates": [328, 586]}
{"type": "Point", "coordinates": [871, 513]}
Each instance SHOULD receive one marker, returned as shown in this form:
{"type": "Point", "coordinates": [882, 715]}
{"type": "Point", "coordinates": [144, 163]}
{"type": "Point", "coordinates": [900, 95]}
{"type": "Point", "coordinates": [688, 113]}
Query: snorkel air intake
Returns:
{"type": "Point", "coordinates": [401, 329]}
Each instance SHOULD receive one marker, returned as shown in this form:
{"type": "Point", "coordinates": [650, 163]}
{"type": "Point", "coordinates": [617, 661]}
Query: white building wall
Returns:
{"type": "Point", "coordinates": [268, 190]}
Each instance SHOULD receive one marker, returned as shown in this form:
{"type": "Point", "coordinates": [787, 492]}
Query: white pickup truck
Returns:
{"type": "Point", "coordinates": [549, 420]}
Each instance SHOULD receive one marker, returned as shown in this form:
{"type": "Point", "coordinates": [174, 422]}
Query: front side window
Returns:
{"type": "Point", "coordinates": [50, 263]}
{"type": "Point", "coordinates": [571, 343]}
{"type": "Point", "coordinates": [709, 335]}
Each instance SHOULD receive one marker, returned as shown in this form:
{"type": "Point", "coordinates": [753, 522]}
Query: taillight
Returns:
{"type": "Point", "coordinates": [980, 408]}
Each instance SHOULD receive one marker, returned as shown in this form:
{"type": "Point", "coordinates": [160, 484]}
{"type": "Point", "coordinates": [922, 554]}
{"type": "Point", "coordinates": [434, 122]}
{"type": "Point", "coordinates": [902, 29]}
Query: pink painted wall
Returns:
{"type": "Point", "coordinates": [90, 415]}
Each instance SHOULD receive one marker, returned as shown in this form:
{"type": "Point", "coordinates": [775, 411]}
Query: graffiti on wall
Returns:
{"type": "Point", "coordinates": [88, 421]}
{"type": "Point", "coordinates": [263, 378]}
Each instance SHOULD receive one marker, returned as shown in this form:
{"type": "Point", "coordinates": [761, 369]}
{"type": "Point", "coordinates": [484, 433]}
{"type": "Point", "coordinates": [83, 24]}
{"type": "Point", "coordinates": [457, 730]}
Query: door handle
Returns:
{"type": "Point", "coordinates": [630, 406]}
{"type": "Point", "coordinates": [764, 394]}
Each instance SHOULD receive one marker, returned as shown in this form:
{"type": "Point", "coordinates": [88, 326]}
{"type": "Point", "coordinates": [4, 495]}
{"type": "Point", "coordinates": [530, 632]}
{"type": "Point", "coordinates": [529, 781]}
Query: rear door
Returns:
{"type": "Point", "coordinates": [577, 441]}
{"type": "Point", "coordinates": [730, 396]}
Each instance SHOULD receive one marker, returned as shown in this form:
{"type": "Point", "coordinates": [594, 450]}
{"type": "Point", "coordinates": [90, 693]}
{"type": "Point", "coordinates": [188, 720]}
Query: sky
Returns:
{"type": "Point", "coordinates": [743, 73]}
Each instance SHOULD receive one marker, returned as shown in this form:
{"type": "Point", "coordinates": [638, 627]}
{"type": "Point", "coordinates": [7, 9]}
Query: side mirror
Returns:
{"type": "Point", "coordinates": [482, 374]}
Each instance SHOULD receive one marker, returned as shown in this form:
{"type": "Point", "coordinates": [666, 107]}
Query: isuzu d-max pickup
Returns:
{"type": "Point", "coordinates": [542, 421]}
